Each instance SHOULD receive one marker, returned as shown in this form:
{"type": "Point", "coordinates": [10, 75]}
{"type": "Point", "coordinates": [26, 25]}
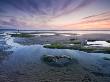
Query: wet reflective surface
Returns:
{"type": "Point", "coordinates": [99, 43]}
{"type": "Point", "coordinates": [23, 64]}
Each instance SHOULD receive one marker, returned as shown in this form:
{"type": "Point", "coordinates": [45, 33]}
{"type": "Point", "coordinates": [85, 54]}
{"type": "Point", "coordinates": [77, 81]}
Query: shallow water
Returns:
{"type": "Point", "coordinates": [99, 43]}
{"type": "Point", "coordinates": [25, 65]}
{"type": "Point", "coordinates": [46, 34]}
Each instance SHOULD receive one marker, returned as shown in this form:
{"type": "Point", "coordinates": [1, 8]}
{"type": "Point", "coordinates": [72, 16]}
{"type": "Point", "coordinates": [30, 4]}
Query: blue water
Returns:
{"type": "Point", "coordinates": [25, 64]}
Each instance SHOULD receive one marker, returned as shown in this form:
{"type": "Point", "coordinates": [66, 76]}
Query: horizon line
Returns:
{"type": "Point", "coordinates": [50, 30]}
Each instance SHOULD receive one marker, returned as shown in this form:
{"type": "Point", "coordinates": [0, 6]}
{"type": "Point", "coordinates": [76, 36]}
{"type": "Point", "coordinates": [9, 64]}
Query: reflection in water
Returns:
{"type": "Point", "coordinates": [10, 41]}
{"type": "Point", "coordinates": [25, 65]}
{"type": "Point", "coordinates": [4, 53]}
{"type": "Point", "coordinates": [99, 43]}
{"type": "Point", "coordinates": [45, 34]}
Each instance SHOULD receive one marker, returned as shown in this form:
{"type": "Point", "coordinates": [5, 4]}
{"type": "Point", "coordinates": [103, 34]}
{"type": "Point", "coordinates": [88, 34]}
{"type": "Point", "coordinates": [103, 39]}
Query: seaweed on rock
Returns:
{"type": "Point", "coordinates": [58, 61]}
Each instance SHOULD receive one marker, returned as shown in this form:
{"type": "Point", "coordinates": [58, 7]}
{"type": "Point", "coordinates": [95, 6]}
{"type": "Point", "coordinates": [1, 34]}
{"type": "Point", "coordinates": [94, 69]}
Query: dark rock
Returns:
{"type": "Point", "coordinates": [86, 78]}
{"type": "Point", "coordinates": [58, 61]}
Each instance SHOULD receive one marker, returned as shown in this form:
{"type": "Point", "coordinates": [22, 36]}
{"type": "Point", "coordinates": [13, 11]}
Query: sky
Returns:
{"type": "Point", "coordinates": [55, 14]}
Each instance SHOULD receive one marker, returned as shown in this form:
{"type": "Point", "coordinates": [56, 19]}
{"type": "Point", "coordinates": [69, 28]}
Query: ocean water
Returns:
{"type": "Point", "coordinates": [64, 31]}
{"type": "Point", "coordinates": [82, 32]}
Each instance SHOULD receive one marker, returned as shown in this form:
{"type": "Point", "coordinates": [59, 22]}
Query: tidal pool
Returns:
{"type": "Point", "coordinates": [98, 43]}
{"type": "Point", "coordinates": [25, 65]}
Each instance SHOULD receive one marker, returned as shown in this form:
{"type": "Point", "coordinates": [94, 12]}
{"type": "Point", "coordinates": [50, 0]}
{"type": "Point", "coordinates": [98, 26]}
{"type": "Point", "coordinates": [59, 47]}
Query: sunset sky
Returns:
{"type": "Point", "coordinates": [55, 14]}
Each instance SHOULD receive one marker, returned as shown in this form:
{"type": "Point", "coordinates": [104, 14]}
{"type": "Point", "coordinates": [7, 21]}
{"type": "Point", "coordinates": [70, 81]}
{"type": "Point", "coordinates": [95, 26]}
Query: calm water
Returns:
{"type": "Point", "coordinates": [77, 32]}
{"type": "Point", "coordinates": [83, 32]}
{"type": "Point", "coordinates": [24, 64]}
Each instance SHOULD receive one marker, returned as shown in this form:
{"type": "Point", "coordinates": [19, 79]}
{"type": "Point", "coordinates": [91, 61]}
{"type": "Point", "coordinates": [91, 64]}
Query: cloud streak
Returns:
{"type": "Point", "coordinates": [101, 20]}
{"type": "Point", "coordinates": [43, 7]}
{"type": "Point", "coordinates": [36, 13]}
